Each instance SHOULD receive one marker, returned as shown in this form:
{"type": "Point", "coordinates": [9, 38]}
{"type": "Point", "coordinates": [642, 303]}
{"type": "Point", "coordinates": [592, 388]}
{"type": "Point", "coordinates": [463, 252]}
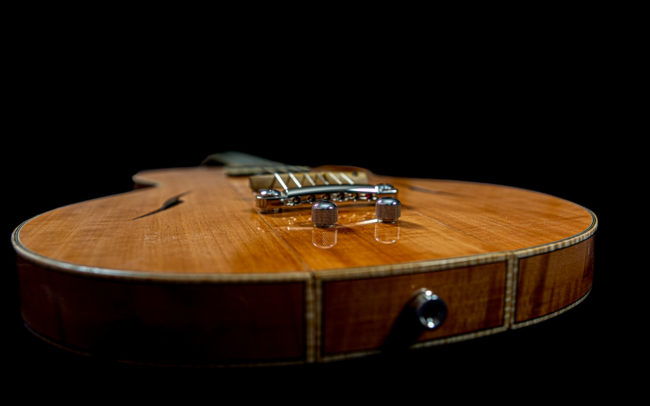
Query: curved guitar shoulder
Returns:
{"type": "Point", "coordinates": [245, 261]}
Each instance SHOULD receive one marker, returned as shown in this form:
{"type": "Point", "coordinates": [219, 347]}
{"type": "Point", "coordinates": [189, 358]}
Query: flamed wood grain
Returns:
{"type": "Point", "coordinates": [217, 230]}
{"type": "Point", "coordinates": [549, 282]}
{"type": "Point", "coordinates": [166, 323]}
{"type": "Point", "coordinates": [350, 319]}
{"type": "Point", "coordinates": [96, 272]}
{"type": "Point", "coordinates": [213, 230]}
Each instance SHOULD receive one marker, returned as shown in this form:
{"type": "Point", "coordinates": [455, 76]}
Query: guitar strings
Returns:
{"type": "Point", "coordinates": [321, 177]}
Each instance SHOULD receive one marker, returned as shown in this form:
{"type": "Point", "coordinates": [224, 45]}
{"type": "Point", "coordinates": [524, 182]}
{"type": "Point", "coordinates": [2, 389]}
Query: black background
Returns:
{"type": "Point", "coordinates": [89, 108]}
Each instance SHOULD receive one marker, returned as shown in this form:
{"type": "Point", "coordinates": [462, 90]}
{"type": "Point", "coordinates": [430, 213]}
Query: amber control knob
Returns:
{"type": "Point", "coordinates": [388, 209]}
{"type": "Point", "coordinates": [324, 214]}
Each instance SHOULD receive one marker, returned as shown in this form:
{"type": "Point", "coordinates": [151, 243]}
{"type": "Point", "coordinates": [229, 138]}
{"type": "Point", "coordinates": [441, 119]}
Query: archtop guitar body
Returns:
{"type": "Point", "coordinates": [193, 270]}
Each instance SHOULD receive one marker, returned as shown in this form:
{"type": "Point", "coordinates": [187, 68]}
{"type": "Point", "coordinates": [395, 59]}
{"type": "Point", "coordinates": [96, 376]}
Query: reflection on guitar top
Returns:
{"type": "Point", "coordinates": [385, 233]}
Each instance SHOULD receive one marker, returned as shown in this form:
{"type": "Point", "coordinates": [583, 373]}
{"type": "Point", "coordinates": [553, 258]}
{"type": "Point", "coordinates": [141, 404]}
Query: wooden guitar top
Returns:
{"type": "Point", "coordinates": [501, 257]}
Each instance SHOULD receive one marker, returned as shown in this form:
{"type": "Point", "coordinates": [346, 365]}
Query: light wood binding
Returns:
{"type": "Point", "coordinates": [209, 269]}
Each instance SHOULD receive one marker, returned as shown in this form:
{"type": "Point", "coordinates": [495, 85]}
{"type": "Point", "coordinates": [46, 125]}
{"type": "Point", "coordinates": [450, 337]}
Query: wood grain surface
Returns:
{"type": "Point", "coordinates": [501, 257]}
{"type": "Point", "coordinates": [216, 229]}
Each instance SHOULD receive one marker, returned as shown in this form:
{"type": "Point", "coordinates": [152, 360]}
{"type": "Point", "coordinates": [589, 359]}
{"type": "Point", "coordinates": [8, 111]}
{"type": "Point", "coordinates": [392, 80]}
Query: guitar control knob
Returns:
{"type": "Point", "coordinates": [388, 209]}
{"type": "Point", "coordinates": [324, 214]}
{"type": "Point", "coordinates": [430, 310]}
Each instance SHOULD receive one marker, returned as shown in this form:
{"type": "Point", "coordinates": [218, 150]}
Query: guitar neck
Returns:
{"type": "Point", "coordinates": [241, 164]}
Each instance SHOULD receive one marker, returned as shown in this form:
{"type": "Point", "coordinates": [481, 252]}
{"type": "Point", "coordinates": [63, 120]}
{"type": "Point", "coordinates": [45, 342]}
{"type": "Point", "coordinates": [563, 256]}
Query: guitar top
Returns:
{"type": "Point", "coordinates": [199, 266]}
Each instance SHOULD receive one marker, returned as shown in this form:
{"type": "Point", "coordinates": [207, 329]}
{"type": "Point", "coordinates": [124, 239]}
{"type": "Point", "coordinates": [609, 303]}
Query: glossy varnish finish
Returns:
{"type": "Point", "coordinates": [550, 282]}
{"type": "Point", "coordinates": [489, 248]}
{"type": "Point", "coordinates": [180, 323]}
{"type": "Point", "coordinates": [350, 322]}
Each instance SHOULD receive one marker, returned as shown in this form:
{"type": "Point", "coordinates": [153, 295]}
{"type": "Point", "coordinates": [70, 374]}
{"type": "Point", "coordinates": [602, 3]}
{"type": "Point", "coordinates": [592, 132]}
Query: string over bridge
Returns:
{"type": "Point", "coordinates": [275, 178]}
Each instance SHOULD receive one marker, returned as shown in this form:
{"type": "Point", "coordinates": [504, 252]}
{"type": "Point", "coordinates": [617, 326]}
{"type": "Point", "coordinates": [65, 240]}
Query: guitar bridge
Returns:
{"type": "Point", "coordinates": [272, 200]}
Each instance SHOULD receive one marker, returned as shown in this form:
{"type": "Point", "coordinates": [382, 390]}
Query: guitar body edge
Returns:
{"type": "Point", "coordinates": [294, 318]}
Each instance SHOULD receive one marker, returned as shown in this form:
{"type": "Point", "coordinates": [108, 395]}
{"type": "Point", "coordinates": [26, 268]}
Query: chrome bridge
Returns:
{"type": "Point", "coordinates": [270, 200]}
{"type": "Point", "coordinates": [310, 187]}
